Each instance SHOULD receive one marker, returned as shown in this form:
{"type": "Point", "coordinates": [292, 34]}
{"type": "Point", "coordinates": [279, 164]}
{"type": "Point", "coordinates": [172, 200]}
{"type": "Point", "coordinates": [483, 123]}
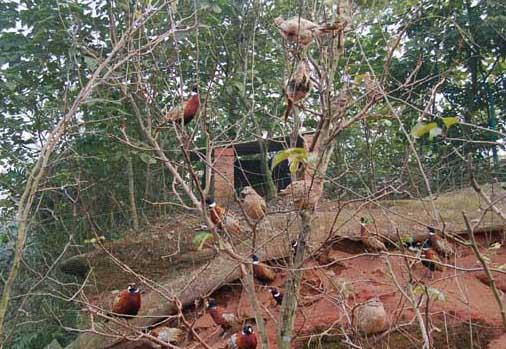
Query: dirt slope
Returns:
{"type": "Point", "coordinates": [467, 296]}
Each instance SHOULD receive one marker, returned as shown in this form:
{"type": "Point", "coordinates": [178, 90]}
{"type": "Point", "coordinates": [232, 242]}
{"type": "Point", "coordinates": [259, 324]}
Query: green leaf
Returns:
{"type": "Point", "coordinates": [405, 239]}
{"type": "Point", "coordinates": [436, 131]}
{"type": "Point", "coordinates": [200, 239]}
{"type": "Point", "coordinates": [450, 121]}
{"type": "Point", "coordinates": [291, 154]}
{"type": "Point", "coordinates": [421, 129]}
{"type": "Point", "coordinates": [216, 9]}
{"type": "Point", "coordinates": [229, 90]}
{"type": "Point", "coordinates": [239, 86]}
{"type": "Point", "coordinates": [387, 123]}
{"type": "Point", "coordinates": [434, 293]}
{"type": "Point", "coordinates": [90, 62]}
{"type": "Point", "coordinates": [146, 158]}
{"type": "Point", "coordinates": [294, 166]}
{"type": "Point", "coordinates": [11, 85]}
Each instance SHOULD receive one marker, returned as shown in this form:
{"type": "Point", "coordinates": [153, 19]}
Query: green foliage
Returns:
{"type": "Point", "coordinates": [406, 239]}
{"type": "Point", "coordinates": [432, 128]}
{"type": "Point", "coordinates": [200, 239]}
{"type": "Point", "coordinates": [295, 157]}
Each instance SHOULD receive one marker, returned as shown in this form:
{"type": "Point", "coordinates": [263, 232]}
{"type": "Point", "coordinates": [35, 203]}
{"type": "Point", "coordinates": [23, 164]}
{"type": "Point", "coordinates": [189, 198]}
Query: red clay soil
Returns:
{"type": "Point", "coordinates": [329, 294]}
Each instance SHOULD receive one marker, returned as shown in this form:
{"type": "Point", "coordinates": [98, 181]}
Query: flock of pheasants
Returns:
{"type": "Point", "coordinates": [370, 317]}
{"type": "Point", "coordinates": [301, 33]}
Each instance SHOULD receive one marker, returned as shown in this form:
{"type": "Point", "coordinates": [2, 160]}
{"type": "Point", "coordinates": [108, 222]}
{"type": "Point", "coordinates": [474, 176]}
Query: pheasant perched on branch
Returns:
{"type": "Point", "coordinates": [304, 193]}
{"type": "Point", "coordinates": [127, 303]}
{"type": "Point", "coordinates": [221, 219]}
{"type": "Point", "coordinates": [187, 111]}
{"type": "Point", "coordinates": [254, 204]}
{"type": "Point", "coordinates": [302, 31]}
{"type": "Point", "coordinates": [297, 86]}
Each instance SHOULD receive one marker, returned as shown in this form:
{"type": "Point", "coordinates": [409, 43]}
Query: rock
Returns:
{"type": "Point", "coordinates": [370, 317]}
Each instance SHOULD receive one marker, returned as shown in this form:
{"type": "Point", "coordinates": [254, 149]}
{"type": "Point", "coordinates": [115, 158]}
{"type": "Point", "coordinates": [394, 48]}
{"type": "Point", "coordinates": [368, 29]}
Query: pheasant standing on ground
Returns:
{"type": "Point", "coordinates": [370, 317]}
{"type": "Point", "coordinates": [302, 31]}
{"type": "Point", "coordinates": [246, 339]}
{"type": "Point", "coordinates": [254, 205]}
{"type": "Point", "coordinates": [185, 112]}
{"type": "Point", "coordinates": [440, 245]}
{"type": "Point", "coordinates": [127, 303]}
{"type": "Point", "coordinates": [262, 272]}
{"type": "Point", "coordinates": [297, 86]}
{"type": "Point", "coordinates": [431, 261]}
{"type": "Point", "coordinates": [227, 321]}
{"type": "Point", "coordinates": [370, 242]}
{"type": "Point", "coordinates": [277, 295]}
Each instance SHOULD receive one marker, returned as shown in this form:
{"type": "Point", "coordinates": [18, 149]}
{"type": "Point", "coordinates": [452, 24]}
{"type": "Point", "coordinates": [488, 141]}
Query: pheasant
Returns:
{"type": "Point", "coordinates": [227, 321]}
{"type": "Point", "coordinates": [277, 295]}
{"type": "Point", "coordinates": [304, 193]}
{"type": "Point", "coordinates": [302, 31]}
{"type": "Point", "coordinates": [246, 339]}
{"type": "Point", "coordinates": [431, 261]}
{"type": "Point", "coordinates": [222, 220]}
{"type": "Point", "coordinates": [370, 242]}
{"type": "Point", "coordinates": [370, 317]}
{"type": "Point", "coordinates": [440, 245]}
{"type": "Point", "coordinates": [187, 111]}
{"type": "Point", "coordinates": [262, 272]}
{"type": "Point", "coordinates": [254, 205]}
{"type": "Point", "coordinates": [297, 86]}
{"type": "Point", "coordinates": [127, 303]}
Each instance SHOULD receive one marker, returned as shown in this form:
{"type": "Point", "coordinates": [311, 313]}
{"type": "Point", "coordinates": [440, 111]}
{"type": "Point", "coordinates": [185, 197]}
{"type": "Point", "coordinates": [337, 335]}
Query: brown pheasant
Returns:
{"type": "Point", "coordinates": [297, 86]}
{"type": "Point", "coordinates": [254, 205]}
{"type": "Point", "coordinates": [302, 31]}
{"type": "Point", "coordinates": [370, 317]}
{"type": "Point", "coordinates": [441, 245]}
{"type": "Point", "coordinates": [370, 242]}
{"type": "Point", "coordinates": [304, 193]}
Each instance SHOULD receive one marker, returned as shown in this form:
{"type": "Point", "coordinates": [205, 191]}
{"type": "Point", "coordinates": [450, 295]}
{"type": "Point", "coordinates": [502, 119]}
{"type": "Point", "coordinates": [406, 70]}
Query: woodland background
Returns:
{"type": "Point", "coordinates": [97, 184]}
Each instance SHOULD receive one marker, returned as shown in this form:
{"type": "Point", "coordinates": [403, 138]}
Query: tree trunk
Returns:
{"type": "Point", "coordinates": [269, 185]}
{"type": "Point", "coordinates": [131, 192]}
{"type": "Point", "coordinates": [292, 288]}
